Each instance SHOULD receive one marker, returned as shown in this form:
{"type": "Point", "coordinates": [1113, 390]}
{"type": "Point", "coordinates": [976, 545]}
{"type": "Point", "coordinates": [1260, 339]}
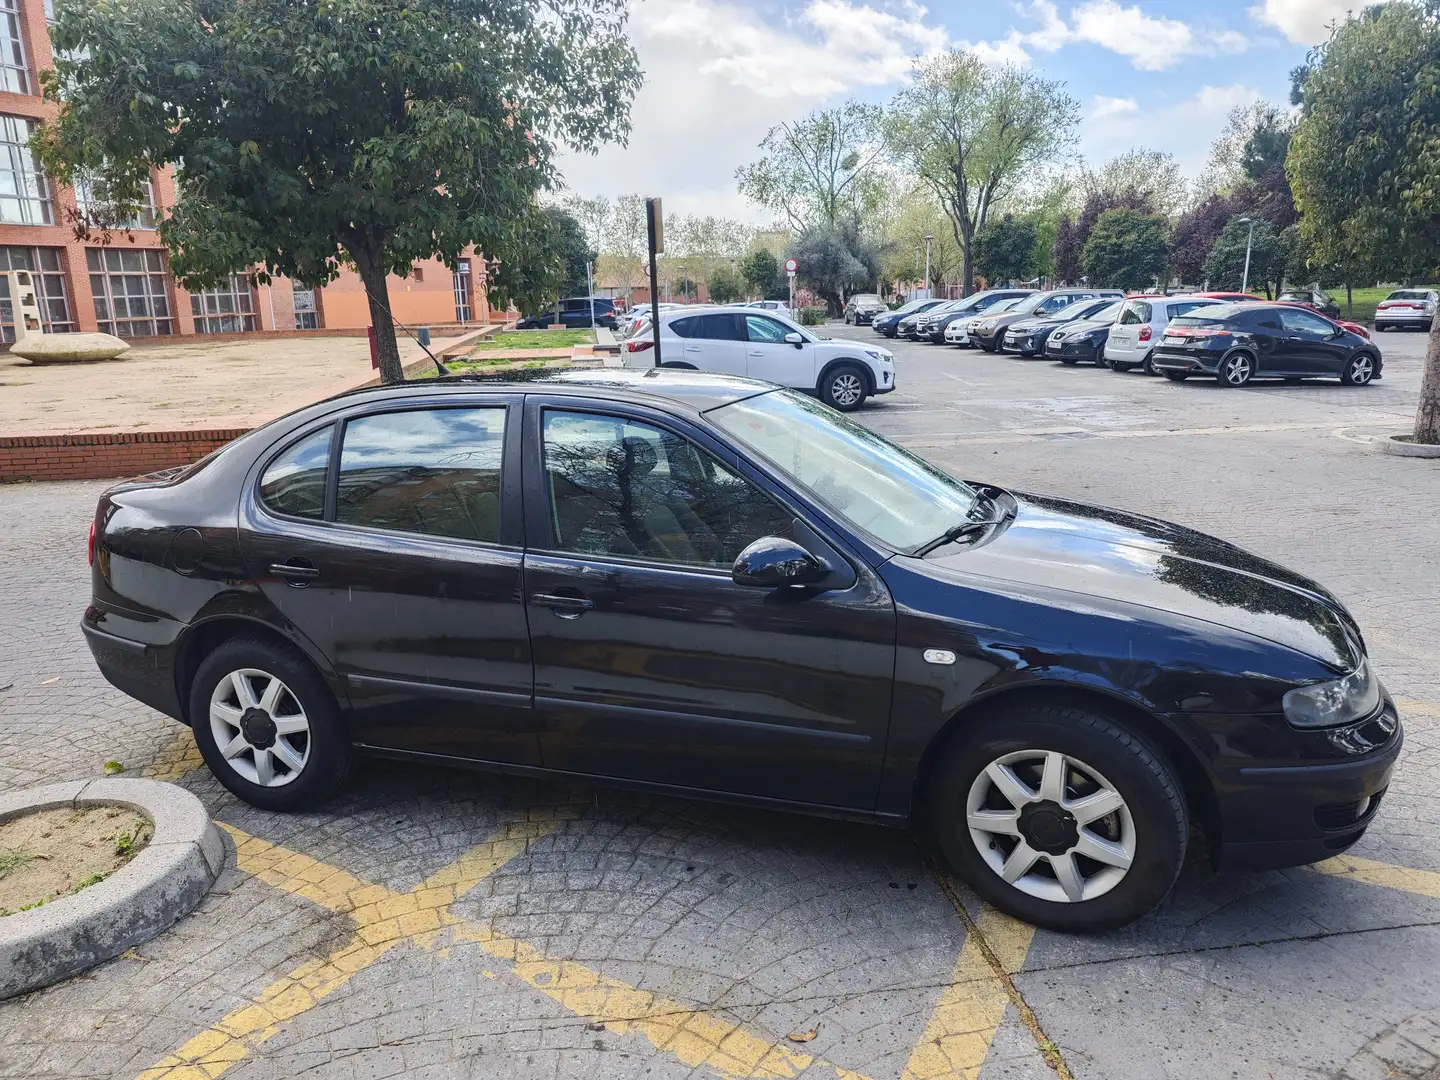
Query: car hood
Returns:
{"type": "Point", "coordinates": [1083, 326]}
{"type": "Point", "coordinates": [1133, 560]}
{"type": "Point", "coordinates": [1032, 323]}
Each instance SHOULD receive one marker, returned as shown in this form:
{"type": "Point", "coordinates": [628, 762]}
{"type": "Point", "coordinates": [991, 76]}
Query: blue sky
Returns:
{"type": "Point", "coordinates": [1152, 74]}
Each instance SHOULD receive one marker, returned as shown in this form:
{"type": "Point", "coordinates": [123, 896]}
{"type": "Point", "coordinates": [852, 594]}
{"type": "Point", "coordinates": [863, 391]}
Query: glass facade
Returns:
{"type": "Point", "coordinates": [14, 72]}
{"type": "Point", "coordinates": [307, 308]}
{"type": "Point", "coordinates": [49, 270]}
{"type": "Point", "coordinates": [24, 195]}
{"type": "Point", "coordinates": [132, 292]}
{"type": "Point", "coordinates": [228, 309]}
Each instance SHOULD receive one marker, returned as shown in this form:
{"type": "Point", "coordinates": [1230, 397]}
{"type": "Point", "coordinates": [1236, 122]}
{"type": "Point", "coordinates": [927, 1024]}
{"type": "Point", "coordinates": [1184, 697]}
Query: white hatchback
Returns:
{"type": "Point", "coordinates": [766, 345]}
{"type": "Point", "coordinates": [1141, 325]}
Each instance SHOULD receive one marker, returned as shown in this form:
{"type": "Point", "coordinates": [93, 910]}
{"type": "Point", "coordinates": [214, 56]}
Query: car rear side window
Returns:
{"type": "Point", "coordinates": [435, 472]}
{"type": "Point", "coordinates": [1134, 312]}
{"type": "Point", "coordinates": [616, 486]}
{"type": "Point", "coordinates": [294, 483]}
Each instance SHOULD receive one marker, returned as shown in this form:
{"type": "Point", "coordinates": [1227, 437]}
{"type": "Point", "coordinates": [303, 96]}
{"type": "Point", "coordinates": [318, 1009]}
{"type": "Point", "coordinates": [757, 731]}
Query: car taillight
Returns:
{"type": "Point", "coordinates": [1145, 333]}
{"type": "Point", "coordinates": [90, 544]}
{"type": "Point", "coordinates": [1200, 331]}
{"type": "Point", "coordinates": [638, 346]}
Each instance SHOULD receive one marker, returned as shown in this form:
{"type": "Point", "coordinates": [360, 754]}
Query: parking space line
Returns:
{"type": "Point", "coordinates": [179, 757]}
{"type": "Point", "coordinates": [385, 918]}
{"type": "Point", "coordinates": [1386, 875]}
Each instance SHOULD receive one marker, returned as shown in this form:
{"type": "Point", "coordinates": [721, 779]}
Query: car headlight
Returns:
{"type": "Point", "coordinates": [883, 357]}
{"type": "Point", "coordinates": [988, 324]}
{"type": "Point", "coordinates": [1335, 702]}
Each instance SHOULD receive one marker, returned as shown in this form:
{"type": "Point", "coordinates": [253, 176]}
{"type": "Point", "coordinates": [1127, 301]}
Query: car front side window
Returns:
{"type": "Point", "coordinates": [1302, 322]}
{"type": "Point", "coordinates": [761, 329]}
{"type": "Point", "coordinates": [616, 486]}
{"type": "Point", "coordinates": [435, 472]}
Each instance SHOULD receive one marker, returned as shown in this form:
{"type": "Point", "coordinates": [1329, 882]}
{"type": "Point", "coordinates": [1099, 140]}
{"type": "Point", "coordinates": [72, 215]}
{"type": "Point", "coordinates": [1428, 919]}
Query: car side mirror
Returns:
{"type": "Point", "coordinates": [795, 339]}
{"type": "Point", "coordinates": [773, 561]}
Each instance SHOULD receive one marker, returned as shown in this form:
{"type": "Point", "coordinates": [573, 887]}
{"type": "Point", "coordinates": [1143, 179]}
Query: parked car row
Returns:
{"type": "Point", "coordinates": [1232, 337]}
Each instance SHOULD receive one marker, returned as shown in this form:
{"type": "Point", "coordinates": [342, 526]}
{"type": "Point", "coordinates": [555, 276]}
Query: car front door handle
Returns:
{"type": "Point", "coordinates": [297, 572]}
{"type": "Point", "coordinates": [564, 607]}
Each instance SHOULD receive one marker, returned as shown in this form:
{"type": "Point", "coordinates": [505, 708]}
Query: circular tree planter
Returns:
{"type": "Point", "coordinates": [1406, 446]}
{"type": "Point", "coordinates": [145, 896]}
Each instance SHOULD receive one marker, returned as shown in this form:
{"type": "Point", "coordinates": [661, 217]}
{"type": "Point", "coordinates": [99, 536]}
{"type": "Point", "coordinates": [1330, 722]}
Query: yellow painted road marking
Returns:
{"type": "Point", "coordinates": [1385, 875]}
{"type": "Point", "coordinates": [179, 757]}
{"type": "Point", "coordinates": [967, 1016]}
{"type": "Point", "coordinates": [1410, 705]}
{"type": "Point", "coordinates": [384, 919]}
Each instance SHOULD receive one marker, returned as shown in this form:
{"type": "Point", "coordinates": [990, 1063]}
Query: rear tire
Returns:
{"type": "Point", "coordinates": [1141, 839]}
{"type": "Point", "coordinates": [1115, 365]}
{"type": "Point", "coordinates": [1236, 369]}
{"type": "Point", "coordinates": [1176, 376]}
{"type": "Point", "coordinates": [285, 746]}
{"type": "Point", "coordinates": [1148, 364]}
{"type": "Point", "coordinates": [843, 388]}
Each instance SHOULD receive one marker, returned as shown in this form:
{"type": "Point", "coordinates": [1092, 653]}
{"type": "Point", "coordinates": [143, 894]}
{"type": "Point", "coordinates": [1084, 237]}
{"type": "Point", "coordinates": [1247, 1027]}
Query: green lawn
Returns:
{"type": "Point", "coordinates": [537, 339]}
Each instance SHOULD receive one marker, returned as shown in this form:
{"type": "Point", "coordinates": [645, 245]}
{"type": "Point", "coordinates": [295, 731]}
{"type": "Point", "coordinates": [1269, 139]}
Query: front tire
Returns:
{"type": "Point", "coordinates": [1148, 364]}
{"type": "Point", "coordinates": [1358, 370]}
{"type": "Point", "coordinates": [268, 726]}
{"type": "Point", "coordinates": [1059, 816]}
{"type": "Point", "coordinates": [843, 388]}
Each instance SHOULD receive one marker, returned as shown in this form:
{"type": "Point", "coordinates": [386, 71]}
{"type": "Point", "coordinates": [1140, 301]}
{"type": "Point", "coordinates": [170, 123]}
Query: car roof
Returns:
{"type": "Point", "coordinates": [690, 391]}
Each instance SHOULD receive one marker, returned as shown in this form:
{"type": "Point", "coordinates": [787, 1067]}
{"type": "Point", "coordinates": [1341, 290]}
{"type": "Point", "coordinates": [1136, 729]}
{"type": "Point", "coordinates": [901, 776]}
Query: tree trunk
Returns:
{"type": "Point", "coordinates": [378, 293]}
{"type": "Point", "coordinates": [1349, 303]}
{"type": "Point", "coordinates": [1427, 416]}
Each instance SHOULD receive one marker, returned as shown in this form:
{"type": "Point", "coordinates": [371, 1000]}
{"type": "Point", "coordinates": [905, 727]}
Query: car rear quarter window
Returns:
{"type": "Point", "coordinates": [294, 482]}
{"type": "Point", "coordinates": [435, 472]}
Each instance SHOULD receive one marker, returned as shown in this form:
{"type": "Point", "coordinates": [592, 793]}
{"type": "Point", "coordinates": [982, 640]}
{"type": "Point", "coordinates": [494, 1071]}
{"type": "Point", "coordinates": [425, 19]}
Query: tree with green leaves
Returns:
{"type": "Point", "coordinates": [819, 170]}
{"type": "Point", "coordinates": [1005, 250]}
{"type": "Point", "coordinates": [725, 285]}
{"type": "Point", "coordinates": [577, 257]}
{"type": "Point", "coordinates": [1127, 249]}
{"type": "Point", "coordinates": [835, 261]}
{"type": "Point", "coordinates": [1269, 256]}
{"type": "Point", "coordinates": [761, 271]}
{"type": "Point", "coordinates": [902, 254]}
{"type": "Point", "coordinates": [973, 135]}
{"type": "Point", "coordinates": [363, 132]}
{"type": "Point", "coordinates": [1364, 161]}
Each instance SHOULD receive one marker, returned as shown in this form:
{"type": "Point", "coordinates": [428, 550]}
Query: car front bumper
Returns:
{"type": "Point", "coordinates": [1290, 815]}
{"type": "Point", "coordinates": [980, 341]}
{"type": "Point", "coordinates": [1073, 350]}
{"type": "Point", "coordinates": [1024, 343]}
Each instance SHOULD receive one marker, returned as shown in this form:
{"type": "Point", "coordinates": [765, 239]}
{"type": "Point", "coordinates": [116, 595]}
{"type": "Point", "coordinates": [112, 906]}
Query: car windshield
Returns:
{"type": "Point", "coordinates": [1002, 305]}
{"type": "Point", "coordinates": [862, 478]}
{"type": "Point", "coordinates": [1107, 314]}
{"type": "Point", "coordinates": [1026, 304]}
{"type": "Point", "coordinates": [1408, 294]}
{"type": "Point", "coordinates": [1208, 315]}
{"type": "Point", "coordinates": [1295, 297]}
{"type": "Point", "coordinates": [866, 298]}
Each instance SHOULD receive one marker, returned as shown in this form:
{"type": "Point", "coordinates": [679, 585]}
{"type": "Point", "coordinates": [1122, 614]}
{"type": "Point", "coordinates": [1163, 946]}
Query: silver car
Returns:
{"type": "Point", "coordinates": [1407, 307]}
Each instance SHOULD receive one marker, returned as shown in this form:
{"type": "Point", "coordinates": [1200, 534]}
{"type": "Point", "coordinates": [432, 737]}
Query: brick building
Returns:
{"type": "Point", "coordinates": [124, 287]}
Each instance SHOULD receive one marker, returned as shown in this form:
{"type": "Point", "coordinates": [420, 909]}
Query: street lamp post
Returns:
{"type": "Point", "coordinates": [928, 238]}
{"type": "Point", "coordinates": [1249, 239]}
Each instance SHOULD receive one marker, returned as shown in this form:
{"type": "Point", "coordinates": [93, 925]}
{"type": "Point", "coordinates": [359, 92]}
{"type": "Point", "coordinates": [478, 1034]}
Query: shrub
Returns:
{"type": "Point", "coordinates": [813, 316]}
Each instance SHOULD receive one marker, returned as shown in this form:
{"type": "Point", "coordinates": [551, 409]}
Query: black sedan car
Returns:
{"type": "Point", "coordinates": [1235, 343]}
{"type": "Point", "coordinates": [1028, 336]}
{"type": "Point", "coordinates": [1083, 339]}
{"type": "Point", "coordinates": [576, 313]}
{"type": "Point", "coordinates": [716, 587]}
{"type": "Point", "coordinates": [888, 324]}
{"type": "Point", "coordinates": [1316, 299]}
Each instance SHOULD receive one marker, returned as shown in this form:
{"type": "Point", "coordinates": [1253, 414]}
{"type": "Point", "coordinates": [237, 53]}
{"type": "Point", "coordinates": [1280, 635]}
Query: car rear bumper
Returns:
{"type": "Point", "coordinates": [1194, 363]}
{"type": "Point", "coordinates": [136, 654]}
{"type": "Point", "coordinates": [1274, 817]}
{"type": "Point", "coordinates": [1402, 318]}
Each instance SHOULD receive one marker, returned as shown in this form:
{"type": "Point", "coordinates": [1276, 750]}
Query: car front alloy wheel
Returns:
{"type": "Point", "coordinates": [1359, 370]}
{"type": "Point", "coordinates": [844, 388]}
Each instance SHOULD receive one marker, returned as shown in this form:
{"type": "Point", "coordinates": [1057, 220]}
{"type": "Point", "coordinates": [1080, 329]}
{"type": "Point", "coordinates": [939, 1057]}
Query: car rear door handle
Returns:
{"type": "Point", "coordinates": [692, 348]}
{"type": "Point", "coordinates": [296, 572]}
{"type": "Point", "coordinates": [565, 607]}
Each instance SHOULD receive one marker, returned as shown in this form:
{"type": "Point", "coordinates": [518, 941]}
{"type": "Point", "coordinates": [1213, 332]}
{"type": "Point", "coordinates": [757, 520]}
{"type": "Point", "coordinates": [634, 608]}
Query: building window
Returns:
{"type": "Point", "coordinates": [132, 292]}
{"type": "Point", "coordinates": [24, 195]}
{"type": "Point", "coordinates": [307, 308]}
{"type": "Point", "coordinates": [143, 218]}
{"type": "Point", "coordinates": [463, 310]}
{"type": "Point", "coordinates": [229, 309]}
{"type": "Point", "coordinates": [48, 270]}
{"type": "Point", "coordinates": [14, 72]}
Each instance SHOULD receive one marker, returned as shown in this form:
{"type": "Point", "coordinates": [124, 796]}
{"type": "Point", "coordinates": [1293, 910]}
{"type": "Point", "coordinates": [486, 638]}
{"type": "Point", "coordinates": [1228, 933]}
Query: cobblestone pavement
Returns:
{"type": "Point", "coordinates": [445, 924]}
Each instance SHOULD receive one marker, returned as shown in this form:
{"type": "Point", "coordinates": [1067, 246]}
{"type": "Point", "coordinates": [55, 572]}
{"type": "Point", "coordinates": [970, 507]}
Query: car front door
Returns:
{"type": "Point", "coordinates": [714, 342]}
{"type": "Point", "coordinates": [770, 357]}
{"type": "Point", "coordinates": [1309, 347]}
{"type": "Point", "coordinates": [392, 541]}
{"type": "Point", "coordinates": [651, 663]}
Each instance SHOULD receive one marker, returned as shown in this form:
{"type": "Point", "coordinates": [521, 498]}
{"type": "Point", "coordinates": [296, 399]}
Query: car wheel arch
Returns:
{"type": "Point", "coordinates": [203, 638]}
{"type": "Point", "coordinates": [831, 365]}
{"type": "Point", "coordinates": [1198, 784]}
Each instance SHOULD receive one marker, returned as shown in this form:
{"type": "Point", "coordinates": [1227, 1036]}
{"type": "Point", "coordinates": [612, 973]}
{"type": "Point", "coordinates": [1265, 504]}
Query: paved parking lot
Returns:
{"type": "Point", "coordinates": [445, 924]}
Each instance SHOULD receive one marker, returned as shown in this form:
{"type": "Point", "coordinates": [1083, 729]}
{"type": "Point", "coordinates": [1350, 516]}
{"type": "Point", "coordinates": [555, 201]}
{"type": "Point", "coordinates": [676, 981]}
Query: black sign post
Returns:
{"type": "Point", "coordinates": [654, 224]}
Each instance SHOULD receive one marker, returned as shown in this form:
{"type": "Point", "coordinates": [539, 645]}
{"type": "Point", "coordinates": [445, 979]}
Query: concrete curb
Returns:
{"type": "Point", "coordinates": [1394, 445]}
{"type": "Point", "coordinates": [146, 896]}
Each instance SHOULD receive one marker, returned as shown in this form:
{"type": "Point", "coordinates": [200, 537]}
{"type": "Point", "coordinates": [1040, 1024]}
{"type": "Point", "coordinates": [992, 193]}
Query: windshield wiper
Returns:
{"type": "Point", "coordinates": [954, 533]}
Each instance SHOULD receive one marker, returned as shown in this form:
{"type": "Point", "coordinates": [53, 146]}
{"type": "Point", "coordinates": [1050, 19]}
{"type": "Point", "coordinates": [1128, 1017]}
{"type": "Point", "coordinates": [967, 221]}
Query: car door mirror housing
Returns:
{"type": "Point", "coordinates": [795, 339]}
{"type": "Point", "coordinates": [774, 561]}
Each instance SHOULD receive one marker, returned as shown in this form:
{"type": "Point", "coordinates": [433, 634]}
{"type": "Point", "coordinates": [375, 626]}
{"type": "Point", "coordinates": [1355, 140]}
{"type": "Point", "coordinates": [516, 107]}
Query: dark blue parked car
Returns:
{"type": "Point", "coordinates": [576, 313]}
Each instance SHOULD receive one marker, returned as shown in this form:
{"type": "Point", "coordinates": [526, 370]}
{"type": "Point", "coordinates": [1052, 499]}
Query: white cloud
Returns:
{"type": "Point", "coordinates": [1184, 128]}
{"type": "Point", "coordinates": [1106, 107]}
{"type": "Point", "coordinates": [718, 76]}
{"type": "Point", "coordinates": [1151, 43]}
{"type": "Point", "coordinates": [1304, 22]}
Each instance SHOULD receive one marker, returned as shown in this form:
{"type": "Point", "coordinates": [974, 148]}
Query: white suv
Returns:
{"type": "Point", "coordinates": [764, 345]}
{"type": "Point", "coordinates": [1141, 324]}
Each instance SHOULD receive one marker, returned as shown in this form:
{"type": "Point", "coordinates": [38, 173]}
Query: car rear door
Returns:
{"type": "Point", "coordinates": [651, 663]}
{"type": "Point", "coordinates": [713, 342]}
{"type": "Point", "coordinates": [406, 571]}
{"type": "Point", "coordinates": [770, 357]}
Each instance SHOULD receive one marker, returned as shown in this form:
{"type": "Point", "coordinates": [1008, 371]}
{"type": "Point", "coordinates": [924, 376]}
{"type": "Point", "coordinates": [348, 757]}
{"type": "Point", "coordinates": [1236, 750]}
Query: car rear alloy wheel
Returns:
{"type": "Point", "coordinates": [267, 725]}
{"type": "Point", "coordinates": [844, 388]}
{"type": "Point", "coordinates": [1359, 370]}
{"type": "Point", "coordinates": [1051, 826]}
{"type": "Point", "coordinates": [1235, 369]}
{"type": "Point", "coordinates": [1148, 364]}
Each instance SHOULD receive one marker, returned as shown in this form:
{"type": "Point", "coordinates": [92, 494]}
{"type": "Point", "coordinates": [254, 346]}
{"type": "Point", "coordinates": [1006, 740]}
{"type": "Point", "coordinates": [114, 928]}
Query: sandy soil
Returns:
{"type": "Point", "coordinates": [55, 852]}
